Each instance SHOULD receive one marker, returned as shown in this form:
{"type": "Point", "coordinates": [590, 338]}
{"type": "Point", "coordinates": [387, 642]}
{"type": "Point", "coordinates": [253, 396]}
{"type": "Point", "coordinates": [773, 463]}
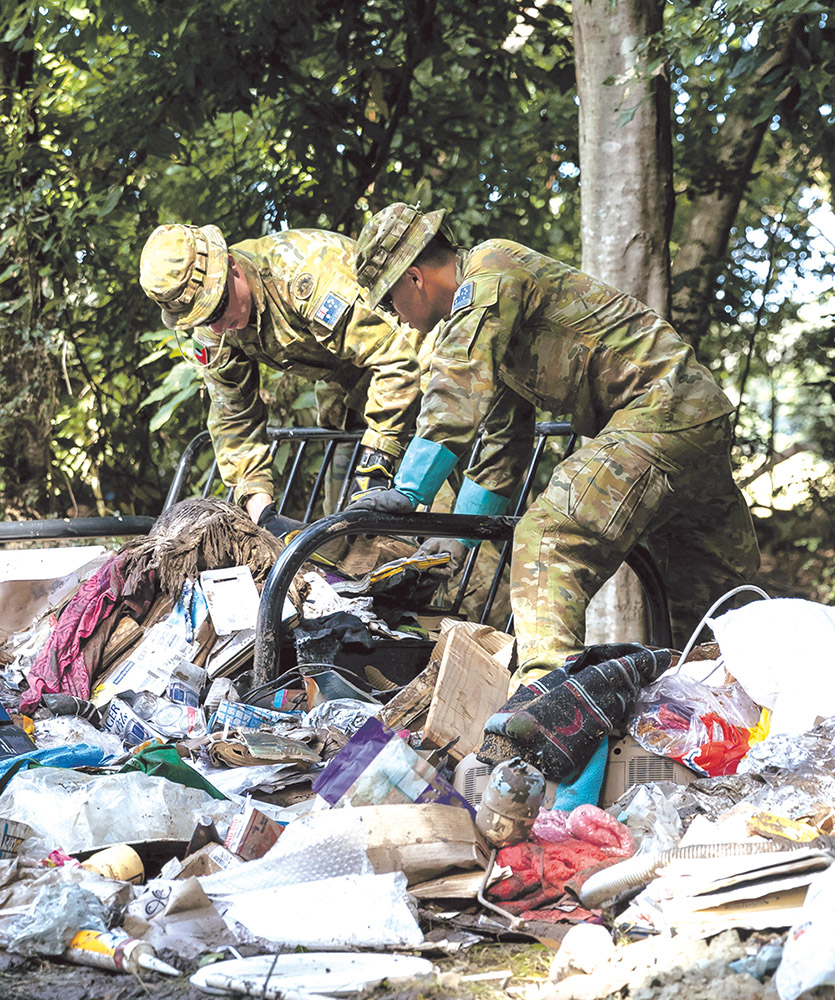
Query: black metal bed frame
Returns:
{"type": "Point", "coordinates": [421, 524]}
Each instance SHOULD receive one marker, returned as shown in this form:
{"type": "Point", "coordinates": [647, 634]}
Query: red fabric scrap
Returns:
{"type": "Point", "coordinates": [541, 871]}
{"type": "Point", "coordinates": [60, 664]}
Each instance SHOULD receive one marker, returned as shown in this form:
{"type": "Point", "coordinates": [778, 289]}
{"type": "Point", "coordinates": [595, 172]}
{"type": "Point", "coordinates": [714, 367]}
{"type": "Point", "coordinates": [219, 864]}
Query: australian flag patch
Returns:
{"type": "Point", "coordinates": [330, 310]}
{"type": "Point", "coordinates": [201, 354]}
{"type": "Point", "coordinates": [463, 296]}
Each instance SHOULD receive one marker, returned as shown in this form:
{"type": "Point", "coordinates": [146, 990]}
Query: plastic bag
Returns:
{"type": "Point", "coordinates": [809, 952]}
{"type": "Point", "coordinates": [778, 650]}
{"type": "Point", "coordinates": [69, 730]}
{"type": "Point", "coordinates": [56, 913]}
{"type": "Point", "coordinates": [709, 729]}
{"type": "Point", "coordinates": [80, 812]}
{"type": "Point", "coordinates": [587, 823]}
{"type": "Point", "coordinates": [346, 912]}
{"type": "Point", "coordinates": [375, 767]}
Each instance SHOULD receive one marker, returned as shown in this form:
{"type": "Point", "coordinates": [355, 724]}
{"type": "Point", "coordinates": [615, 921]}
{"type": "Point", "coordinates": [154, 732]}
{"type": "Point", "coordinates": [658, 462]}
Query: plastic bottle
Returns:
{"type": "Point", "coordinates": [115, 950]}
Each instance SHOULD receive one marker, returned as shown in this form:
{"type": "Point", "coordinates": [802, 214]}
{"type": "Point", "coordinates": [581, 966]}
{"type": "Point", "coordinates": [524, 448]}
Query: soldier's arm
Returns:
{"type": "Point", "coordinates": [465, 387]}
{"type": "Point", "coordinates": [237, 419]}
{"type": "Point", "coordinates": [343, 325]}
{"type": "Point", "coordinates": [507, 432]}
{"type": "Point", "coordinates": [391, 405]}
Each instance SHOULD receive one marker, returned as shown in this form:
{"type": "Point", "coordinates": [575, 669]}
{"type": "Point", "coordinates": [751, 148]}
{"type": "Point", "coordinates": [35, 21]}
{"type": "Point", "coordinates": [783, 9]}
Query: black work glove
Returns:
{"type": "Point", "coordinates": [278, 524]}
{"type": "Point", "coordinates": [374, 472]}
{"type": "Point", "coordinates": [457, 550]}
{"type": "Point", "coordinates": [384, 501]}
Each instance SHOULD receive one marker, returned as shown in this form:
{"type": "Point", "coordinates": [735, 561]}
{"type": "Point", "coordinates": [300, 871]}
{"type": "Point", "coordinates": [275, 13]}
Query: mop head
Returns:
{"type": "Point", "coordinates": [199, 534]}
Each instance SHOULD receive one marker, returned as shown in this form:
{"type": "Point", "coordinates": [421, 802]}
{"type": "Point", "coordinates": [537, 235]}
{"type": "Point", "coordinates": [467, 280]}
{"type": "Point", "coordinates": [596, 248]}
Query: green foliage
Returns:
{"type": "Point", "coordinates": [121, 114]}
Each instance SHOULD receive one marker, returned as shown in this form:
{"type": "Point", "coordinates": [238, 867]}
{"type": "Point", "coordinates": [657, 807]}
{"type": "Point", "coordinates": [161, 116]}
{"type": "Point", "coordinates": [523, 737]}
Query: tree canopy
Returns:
{"type": "Point", "coordinates": [118, 115]}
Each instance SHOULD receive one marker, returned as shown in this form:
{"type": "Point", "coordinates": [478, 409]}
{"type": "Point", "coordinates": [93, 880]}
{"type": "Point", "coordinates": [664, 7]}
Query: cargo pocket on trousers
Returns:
{"type": "Point", "coordinates": [616, 494]}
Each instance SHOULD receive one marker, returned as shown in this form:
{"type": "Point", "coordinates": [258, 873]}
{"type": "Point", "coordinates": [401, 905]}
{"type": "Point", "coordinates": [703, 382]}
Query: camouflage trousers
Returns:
{"type": "Point", "coordinates": [671, 490]}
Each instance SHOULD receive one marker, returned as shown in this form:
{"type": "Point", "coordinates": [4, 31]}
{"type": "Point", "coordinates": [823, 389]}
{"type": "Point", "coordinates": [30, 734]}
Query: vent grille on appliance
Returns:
{"type": "Point", "coordinates": [642, 770]}
{"type": "Point", "coordinates": [475, 781]}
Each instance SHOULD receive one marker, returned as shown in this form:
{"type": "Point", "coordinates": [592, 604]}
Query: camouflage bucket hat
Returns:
{"type": "Point", "coordinates": [183, 269]}
{"type": "Point", "coordinates": [389, 243]}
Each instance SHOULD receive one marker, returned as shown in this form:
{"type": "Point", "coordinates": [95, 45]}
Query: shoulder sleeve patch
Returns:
{"type": "Point", "coordinates": [303, 285]}
{"type": "Point", "coordinates": [463, 296]}
{"type": "Point", "coordinates": [330, 310]}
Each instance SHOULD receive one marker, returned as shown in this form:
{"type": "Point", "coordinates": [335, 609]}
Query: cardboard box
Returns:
{"type": "Point", "coordinates": [472, 684]}
{"type": "Point", "coordinates": [210, 858]}
{"type": "Point", "coordinates": [251, 834]}
{"type": "Point", "coordinates": [423, 841]}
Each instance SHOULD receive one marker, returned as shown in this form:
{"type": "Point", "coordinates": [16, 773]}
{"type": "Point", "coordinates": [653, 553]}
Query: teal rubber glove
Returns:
{"type": "Point", "coordinates": [423, 470]}
{"type": "Point", "coordinates": [475, 499]}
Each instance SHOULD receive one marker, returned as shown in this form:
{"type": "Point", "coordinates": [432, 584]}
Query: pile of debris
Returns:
{"type": "Point", "coordinates": [661, 821]}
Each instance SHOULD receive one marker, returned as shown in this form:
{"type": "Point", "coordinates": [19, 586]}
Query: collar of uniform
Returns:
{"type": "Point", "coordinates": [249, 266]}
{"type": "Point", "coordinates": [461, 258]}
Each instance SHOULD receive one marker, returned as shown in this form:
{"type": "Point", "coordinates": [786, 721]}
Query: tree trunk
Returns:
{"type": "Point", "coordinates": [626, 198]}
{"type": "Point", "coordinates": [626, 193]}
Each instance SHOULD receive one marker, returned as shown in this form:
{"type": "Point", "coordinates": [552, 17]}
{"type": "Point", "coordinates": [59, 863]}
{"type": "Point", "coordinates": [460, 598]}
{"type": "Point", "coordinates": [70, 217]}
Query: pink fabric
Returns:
{"type": "Point", "coordinates": [597, 827]}
{"type": "Point", "coordinates": [60, 664]}
{"type": "Point", "coordinates": [585, 822]}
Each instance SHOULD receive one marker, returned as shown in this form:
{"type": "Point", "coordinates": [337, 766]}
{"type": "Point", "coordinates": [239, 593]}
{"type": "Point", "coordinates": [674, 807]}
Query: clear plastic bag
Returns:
{"type": "Point", "coordinates": [709, 729]}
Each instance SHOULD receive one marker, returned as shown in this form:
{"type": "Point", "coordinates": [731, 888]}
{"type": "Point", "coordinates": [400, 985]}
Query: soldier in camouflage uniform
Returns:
{"type": "Point", "coordinates": [520, 331]}
{"type": "Point", "coordinates": [291, 302]}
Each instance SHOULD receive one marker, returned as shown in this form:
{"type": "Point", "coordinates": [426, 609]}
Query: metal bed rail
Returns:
{"type": "Point", "coordinates": [302, 439]}
{"type": "Point", "coordinates": [269, 630]}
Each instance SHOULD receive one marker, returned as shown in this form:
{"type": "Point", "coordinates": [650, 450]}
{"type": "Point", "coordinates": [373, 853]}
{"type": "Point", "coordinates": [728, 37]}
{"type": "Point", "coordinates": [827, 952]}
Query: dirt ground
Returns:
{"type": "Point", "coordinates": [34, 979]}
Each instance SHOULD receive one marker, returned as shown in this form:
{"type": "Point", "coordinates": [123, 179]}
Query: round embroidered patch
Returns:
{"type": "Point", "coordinates": [303, 285]}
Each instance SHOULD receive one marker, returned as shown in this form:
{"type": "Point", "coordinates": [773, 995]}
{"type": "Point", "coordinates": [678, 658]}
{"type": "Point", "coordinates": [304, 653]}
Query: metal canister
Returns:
{"type": "Point", "coordinates": [510, 803]}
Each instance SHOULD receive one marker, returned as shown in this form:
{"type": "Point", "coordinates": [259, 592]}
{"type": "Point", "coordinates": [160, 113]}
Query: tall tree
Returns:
{"type": "Point", "coordinates": [120, 114]}
{"type": "Point", "coordinates": [626, 194]}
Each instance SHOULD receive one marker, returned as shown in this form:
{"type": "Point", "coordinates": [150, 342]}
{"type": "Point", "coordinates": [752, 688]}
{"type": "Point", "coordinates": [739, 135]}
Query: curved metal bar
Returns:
{"type": "Point", "coordinates": [640, 561]}
{"type": "Point", "coordinates": [268, 633]}
{"type": "Point", "coordinates": [75, 527]}
{"type": "Point", "coordinates": [178, 483]}
{"type": "Point", "coordinates": [352, 522]}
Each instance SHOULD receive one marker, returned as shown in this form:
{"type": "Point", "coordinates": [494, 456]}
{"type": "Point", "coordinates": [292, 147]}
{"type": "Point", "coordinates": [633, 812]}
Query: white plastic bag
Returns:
{"type": "Point", "coordinates": [79, 812]}
{"type": "Point", "coordinates": [809, 952]}
{"type": "Point", "coordinates": [350, 911]}
{"type": "Point", "coordinates": [782, 652]}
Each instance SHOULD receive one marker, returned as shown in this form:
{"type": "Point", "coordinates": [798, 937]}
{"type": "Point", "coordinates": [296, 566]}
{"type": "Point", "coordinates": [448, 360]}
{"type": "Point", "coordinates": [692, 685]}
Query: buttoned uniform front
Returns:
{"type": "Point", "coordinates": [528, 331]}
{"type": "Point", "coordinates": [309, 318]}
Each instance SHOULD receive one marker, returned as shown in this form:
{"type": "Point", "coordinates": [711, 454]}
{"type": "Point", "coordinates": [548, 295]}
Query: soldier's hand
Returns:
{"type": "Point", "coordinates": [457, 551]}
{"type": "Point", "coordinates": [278, 524]}
{"type": "Point", "coordinates": [384, 501]}
{"type": "Point", "coordinates": [374, 472]}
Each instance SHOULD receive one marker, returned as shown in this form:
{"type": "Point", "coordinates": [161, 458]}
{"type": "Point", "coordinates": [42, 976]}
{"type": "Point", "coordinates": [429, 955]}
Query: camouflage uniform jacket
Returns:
{"type": "Point", "coordinates": [308, 318]}
{"type": "Point", "coordinates": [528, 331]}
